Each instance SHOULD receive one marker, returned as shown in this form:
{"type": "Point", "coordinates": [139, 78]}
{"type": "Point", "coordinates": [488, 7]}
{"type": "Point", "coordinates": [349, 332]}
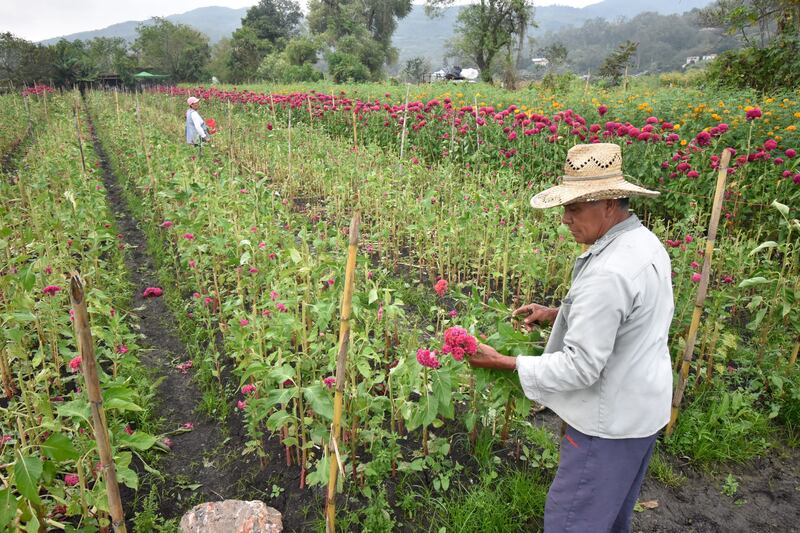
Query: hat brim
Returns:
{"type": "Point", "coordinates": [589, 191]}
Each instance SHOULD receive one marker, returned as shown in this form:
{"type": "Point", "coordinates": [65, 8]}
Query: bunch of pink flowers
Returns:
{"type": "Point", "coordinates": [458, 343]}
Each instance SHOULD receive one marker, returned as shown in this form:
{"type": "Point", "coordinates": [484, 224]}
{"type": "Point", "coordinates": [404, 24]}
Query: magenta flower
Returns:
{"type": "Point", "coordinates": [280, 307]}
{"type": "Point", "coordinates": [152, 292]}
{"type": "Point", "coordinates": [428, 358]}
{"type": "Point", "coordinates": [753, 113]}
{"type": "Point", "coordinates": [770, 144]}
{"type": "Point", "coordinates": [243, 322]}
{"type": "Point", "coordinates": [247, 389]}
{"type": "Point", "coordinates": [240, 405]}
{"type": "Point", "coordinates": [696, 277]}
{"type": "Point", "coordinates": [166, 224]}
{"type": "Point", "coordinates": [188, 425]}
{"type": "Point", "coordinates": [273, 295]}
{"type": "Point", "coordinates": [185, 366]}
{"type": "Point", "coordinates": [458, 342]}
{"type": "Point", "coordinates": [329, 382]}
{"type": "Point", "coordinates": [188, 236]}
{"type": "Point", "coordinates": [122, 349]}
{"type": "Point", "coordinates": [602, 110]}
{"type": "Point", "coordinates": [380, 312]}
{"type": "Point", "coordinates": [688, 239]}
{"type": "Point", "coordinates": [51, 290]}
{"type": "Point", "coordinates": [75, 364]}
{"type": "Point", "coordinates": [168, 442]}
{"type": "Point", "coordinates": [440, 287]}
{"type": "Point", "coordinates": [253, 270]}
{"type": "Point", "coordinates": [790, 153]}
{"type": "Point", "coordinates": [453, 313]}
{"type": "Point", "coordinates": [71, 480]}
{"type": "Point", "coordinates": [727, 279]}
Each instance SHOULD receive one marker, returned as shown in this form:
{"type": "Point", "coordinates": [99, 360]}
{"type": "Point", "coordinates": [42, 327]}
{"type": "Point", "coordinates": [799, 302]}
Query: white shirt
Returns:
{"type": "Point", "coordinates": [606, 369]}
{"type": "Point", "coordinates": [194, 126]}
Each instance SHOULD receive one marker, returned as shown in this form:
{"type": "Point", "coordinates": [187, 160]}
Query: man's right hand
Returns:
{"type": "Point", "coordinates": [535, 314]}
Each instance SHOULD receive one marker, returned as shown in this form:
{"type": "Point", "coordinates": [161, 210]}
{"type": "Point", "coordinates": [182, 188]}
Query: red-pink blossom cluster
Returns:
{"type": "Point", "coordinates": [440, 287]}
{"type": "Point", "coordinates": [51, 290]}
{"type": "Point", "coordinates": [185, 366]}
{"type": "Point", "coordinates": [458, 343]}
{"type": "Point", "coordinates": [152, 292]}
{"type": "Point", "coordinates": [428, 358]}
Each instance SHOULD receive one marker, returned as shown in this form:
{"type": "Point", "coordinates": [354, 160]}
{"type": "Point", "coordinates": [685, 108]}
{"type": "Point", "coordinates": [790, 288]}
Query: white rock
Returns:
{"type": "Point", "coordinates": [232, 516]}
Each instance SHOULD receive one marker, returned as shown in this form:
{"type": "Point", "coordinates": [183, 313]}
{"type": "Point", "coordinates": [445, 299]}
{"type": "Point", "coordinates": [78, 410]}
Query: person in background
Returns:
{"type": "Point", "coordinates": [606, 369]}
{"type": "Point", "coordinates": [196, 130]}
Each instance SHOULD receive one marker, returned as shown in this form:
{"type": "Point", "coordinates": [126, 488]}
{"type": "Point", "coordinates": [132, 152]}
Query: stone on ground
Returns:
{"type": "Point", "coordinates": [232, 516]}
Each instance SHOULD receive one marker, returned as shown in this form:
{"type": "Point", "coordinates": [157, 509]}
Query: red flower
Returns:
{"type": "Point", "coordinates": [51, 290]}
{"type": "Point", "coordinates": [428, 358]}
{"type": "Point", "coordinates": [753, 113]}
{"type": "Point", "coordinates": [440, 287]}
{"type": "Point", "coordinates": [75, 364]}
{"type": "Point", "coordinates": [152, 292]}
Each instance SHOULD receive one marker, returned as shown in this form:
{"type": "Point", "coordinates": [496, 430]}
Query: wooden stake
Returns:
{"type": "Point", "coordinates": [144, 148]}
{"type": "Point", "coordinates": [341, 358]}
{"type": "Point", "coordinates": [403, 134]}
{"type": "Point", "coordinates": [702, 290]}
{"type": "Point", "coordinates": [83, 335]}
{"type": "Point", "coordinates": [80, 141]}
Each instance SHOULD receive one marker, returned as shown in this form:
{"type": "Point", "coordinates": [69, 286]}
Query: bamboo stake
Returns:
{"type": "Point", "coordinates": [80, 141]}
{"type": "Point", "coordinates": [793, 357]}
{"type": "Point", "coordinates": [702, 290]}
{"type": "Point", "coordinates": [83, 335]}
{"type": "Point", "coordinates": [403, 134]}
{"type": "Point", "coordinates": [144, 147]}
{"type": "Point", "coordinates": [341, 358]}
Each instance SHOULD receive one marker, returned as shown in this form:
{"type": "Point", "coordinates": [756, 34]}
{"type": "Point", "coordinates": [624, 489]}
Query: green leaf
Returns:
{"type": "Point", "coordinates": [763, 245]}
{"type": "Point", "coordinates": [277, 420]}
{"type": "Point", "coordinates": [121, 405]}
{"type": "Point", "coordinates": [784, 209]}
{"type": "Point", "coordinates": [58, 447]}
{"type": "Point", "coordinates": [758, 280]}
{"type": "Point", "coordinates": [295, 255]}
{"type": "Point", "coordinates": [373, 295]}
{"type": "Point", "coordinates": [320, 399]}
{"type": "Point", "coordinates": [279, 397]}
{"type": "Point", "coordinates": [138, 441]}
{"type": "Point", "coordinates": [27, 471]}
{"type": "Point", "coordinates": [75, 408]}
{"type": "Point", "coordinates": [8, 507]}
{"type": "Point", "coordinates": [245, 258]}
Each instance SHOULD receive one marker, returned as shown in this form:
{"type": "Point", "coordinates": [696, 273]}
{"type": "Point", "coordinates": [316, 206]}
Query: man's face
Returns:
{"type": "Point", "coordinates": [587, 221]}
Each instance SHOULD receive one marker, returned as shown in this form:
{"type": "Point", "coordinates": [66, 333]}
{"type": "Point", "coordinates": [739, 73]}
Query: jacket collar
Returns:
{"type": "Point", "coordinates": [630, 223]}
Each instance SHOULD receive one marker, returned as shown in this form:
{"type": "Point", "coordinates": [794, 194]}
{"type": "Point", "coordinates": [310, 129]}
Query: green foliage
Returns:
{"type": "Point", "coordinates": [361, 31]}
{"type": "Point", "coordinates": [771, 68]}
{"type": "Point", "coordinates": [246, 54]}
{"type": "Point", "coordinates": [294, 64]}
{"type": "Point", "coordinates": [719, 426]}
{"type": "Point", "coordinates": [148, 519]}
{"type": "Point", "coordinates": [22, 61]}
{"type": "Point", "coordinates": [731, 486]}
{"type": "Point", "coordinates": [417, 70]}
{"type": "Point", "coordinates": [558, 84]}
{"type": "Point", "coordinates": [615, 64]}
{"type": "Point", "coordinates": [344, 67]}
{"type": "Point", "coordinates": [660, 469]}
{"type": "Point", "coordinates": [177, 50]}
{"type": "Point", "coordinates": [483, 30]}
{"type": "Point", "coordinates": [273, 20]}
{"type": "Point", "coordinates": [377, 516]}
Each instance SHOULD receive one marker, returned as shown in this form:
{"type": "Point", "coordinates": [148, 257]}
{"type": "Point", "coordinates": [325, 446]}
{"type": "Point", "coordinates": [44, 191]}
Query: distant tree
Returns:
{"type": "Point", "coordinates": [219, 66]}
{"type": "Point", "coordinates": [614, 65]}
{"type": "Point", "coordinates": [274, 20]}
{"type": "Point", "coordinates": [302, 51]}
{"type": "Point", "coordinates": [555, 53]}
{"type": "Point", "coordinates": [70, 63]}
{"type": "Point", "coordinates": [757, 22]}
{"type": "Point", "coordinates": [417, 70]}
{"type": "Point", "coordinates": [246, 53]}
{"type": "Point", "coordinates": [357, 31]}
{"type": "Point", "coordinates": [110, 55]}
{"type": "Point", "coordinates": [483, 30]}
{"type": "Point", "coordinates": [23, 62]}
{"type": "Point", "coordinates": [177, 50]}
{"type": "Point", "coordinates": [294, 64]}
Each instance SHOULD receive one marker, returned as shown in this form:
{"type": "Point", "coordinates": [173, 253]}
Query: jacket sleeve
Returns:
{"type": "Point", "coordinates": [198, 124]}
{"type": "Point", "coordinates": [599, 306]}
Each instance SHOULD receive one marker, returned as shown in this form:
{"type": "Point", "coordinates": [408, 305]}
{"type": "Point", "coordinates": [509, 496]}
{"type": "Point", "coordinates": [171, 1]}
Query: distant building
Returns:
{"type": "Point", "coordinates": [692, 59]}
{"type": "Point", "coordinates": [540, 61]}
{"type": "Point", "coordinates": [709, 57]}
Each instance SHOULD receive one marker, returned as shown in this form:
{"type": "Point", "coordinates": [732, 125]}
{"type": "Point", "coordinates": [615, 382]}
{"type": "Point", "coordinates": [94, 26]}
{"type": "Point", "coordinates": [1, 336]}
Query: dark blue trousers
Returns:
{"type": "Point", "coordinates": [597, 483]}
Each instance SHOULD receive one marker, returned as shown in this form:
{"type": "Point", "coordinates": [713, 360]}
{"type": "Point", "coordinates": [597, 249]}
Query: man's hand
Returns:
{"type": "Point", "coordinates": [488, 357]}
{"type": "Point", "coordinates": [536, 314]}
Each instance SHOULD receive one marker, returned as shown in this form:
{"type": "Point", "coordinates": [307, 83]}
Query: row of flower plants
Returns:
{"type": "Point", "coordinates": [469, 231]}
{"type": "Point", "coordinates": [682, 131]}
{"type": "Point", "coordinates": [54, 220]}
{"type": "Point", "coordinates": [267, 276]}
{"type": "Point", "coordinates": [17, 114]}
{"type": "Point", "coordinates": [452, 226]}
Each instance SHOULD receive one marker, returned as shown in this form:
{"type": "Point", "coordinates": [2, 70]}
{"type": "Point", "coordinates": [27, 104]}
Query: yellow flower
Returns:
{"type": "Point", "coordinates": [716, 117]}
{"type": "Point", "coordinates": [797, 115]}
{"type": "Point", "coordinates": [791, 127]}
{"type": "Point", "coordinates": [676, 127]}
{"type": "Point", "coordinates": [683, 142]}
{"type": "Point", "coordinates": [778, 138]}
{"type": "Point", "coordinates": [769, 100]}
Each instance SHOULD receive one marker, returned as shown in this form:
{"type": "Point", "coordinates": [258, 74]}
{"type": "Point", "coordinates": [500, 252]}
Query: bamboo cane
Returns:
{"type": "Point", "coordinates": [403, 134]}
{"type": "Point", "coordinates": [702, 290]}
{"type": "Point", "coordinates": [344, 341]}
{"type": "Point", "coordinates": [80, 141]}
{"type": "Point", "coordinates": [144, 148]}
{"type": "Point", "coordinates": [793, 357]}
{"type": "Point", "coordinates": [89, 365]}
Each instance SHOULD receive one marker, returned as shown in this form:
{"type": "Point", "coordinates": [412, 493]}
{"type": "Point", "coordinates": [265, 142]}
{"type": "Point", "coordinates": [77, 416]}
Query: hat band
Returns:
{"type": "Point", "coordinates": [577, 179]}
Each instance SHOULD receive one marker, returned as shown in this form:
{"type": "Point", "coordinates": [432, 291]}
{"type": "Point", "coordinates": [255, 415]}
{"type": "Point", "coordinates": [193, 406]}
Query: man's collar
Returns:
{"type": "Point", "coordinates": [630, 223]}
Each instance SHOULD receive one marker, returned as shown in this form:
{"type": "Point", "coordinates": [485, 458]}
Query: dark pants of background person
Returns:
{"type": "Point", "coordinates": [597, 483]}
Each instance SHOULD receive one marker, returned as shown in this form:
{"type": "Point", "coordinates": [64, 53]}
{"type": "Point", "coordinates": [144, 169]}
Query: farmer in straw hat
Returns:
{"type": "Point", "coordinates": [606, 368]}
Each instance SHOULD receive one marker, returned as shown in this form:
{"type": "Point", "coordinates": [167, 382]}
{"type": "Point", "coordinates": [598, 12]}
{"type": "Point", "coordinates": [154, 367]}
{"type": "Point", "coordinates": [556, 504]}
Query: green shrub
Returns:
{"type": "Point", "coordinates": [720, 426]}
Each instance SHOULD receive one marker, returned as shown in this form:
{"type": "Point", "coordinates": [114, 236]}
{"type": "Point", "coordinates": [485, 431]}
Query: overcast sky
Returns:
{"type": "Point", "coordinates": [36, 20]}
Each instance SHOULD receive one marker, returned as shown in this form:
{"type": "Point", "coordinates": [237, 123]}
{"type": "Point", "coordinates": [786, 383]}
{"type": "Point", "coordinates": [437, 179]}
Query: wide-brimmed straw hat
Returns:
{"type": "Point", "coordinates": [591, 172]}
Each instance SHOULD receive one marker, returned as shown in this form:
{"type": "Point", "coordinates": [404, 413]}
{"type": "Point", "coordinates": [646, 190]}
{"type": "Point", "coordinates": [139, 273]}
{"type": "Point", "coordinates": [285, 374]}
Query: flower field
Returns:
{"type": "Point", "coordinates": [249, 235]}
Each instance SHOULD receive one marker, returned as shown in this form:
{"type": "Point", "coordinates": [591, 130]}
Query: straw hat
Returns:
{"type": "Point", "coordinates": [592, 172]}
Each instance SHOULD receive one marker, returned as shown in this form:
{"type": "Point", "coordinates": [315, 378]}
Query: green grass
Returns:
{"type": "Point", "coordinates": [661, 470]}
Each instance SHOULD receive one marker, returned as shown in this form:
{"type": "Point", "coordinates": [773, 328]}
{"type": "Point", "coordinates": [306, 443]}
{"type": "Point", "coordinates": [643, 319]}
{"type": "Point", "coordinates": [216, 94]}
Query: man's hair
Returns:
{"type": "Point", "coordinates": [624, 203]}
